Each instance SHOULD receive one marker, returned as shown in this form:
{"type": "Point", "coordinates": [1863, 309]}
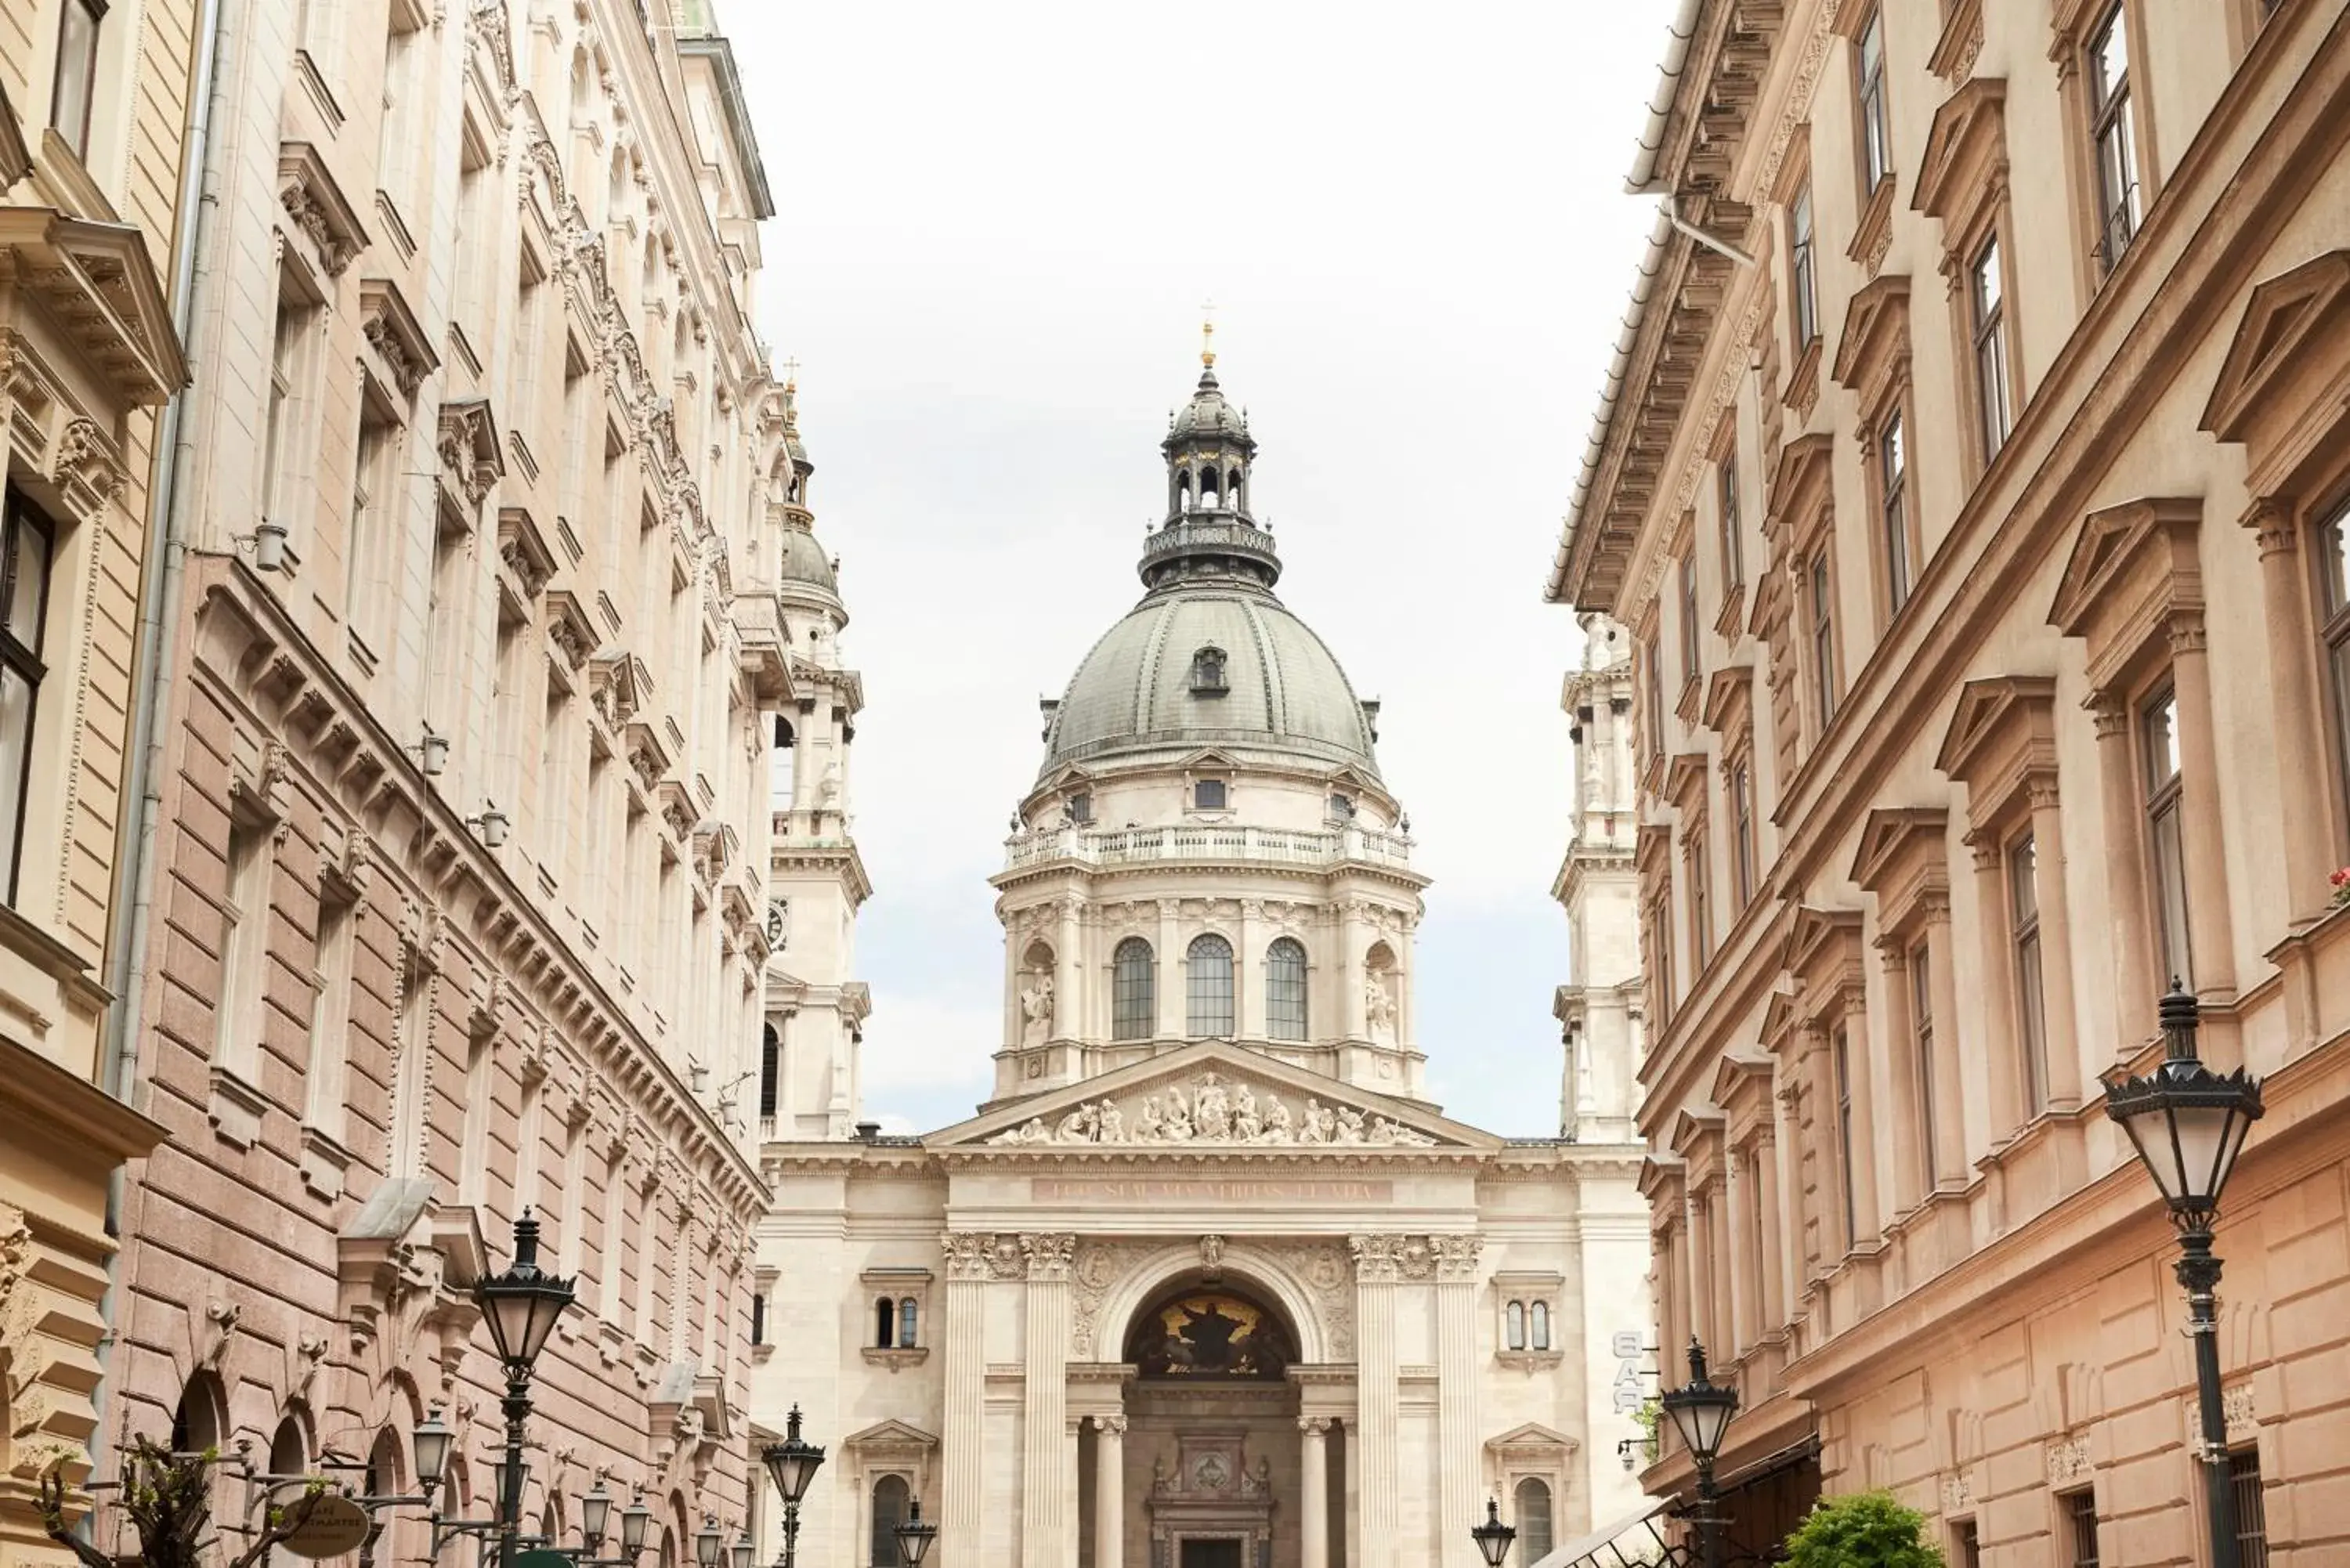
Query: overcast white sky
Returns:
{"type": "Point", "coordinates": [997, 224]}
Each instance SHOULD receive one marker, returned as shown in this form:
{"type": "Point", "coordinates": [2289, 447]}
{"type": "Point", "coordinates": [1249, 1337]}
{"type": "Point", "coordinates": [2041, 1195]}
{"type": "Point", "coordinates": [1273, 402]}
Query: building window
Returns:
{"type": "Point", "coordinates": [771, 1050]}
{"type": "Point", "coordinates": [1284, 989]}
{"type": "Point", "coordinates": [1517, 1325]}
{"type": "Point", "coordinates": [26, 544]}
{"type": "Point", "coordinates": [1922, 1040]}
{"type": "Point", "coordinates": [1132, 1005]}
{"type": "Point", "coordinates": [2031, 1006]}
{"type": "Point", "coordinates": [1081, 808]}
{"type": "Point", "coordinates": [1208, 673]}
{"type": "Point", "coordinates": [909, 1312]}
{"type": "Point", "coordinates": [1893, 480]}
{"type": "Point", "coordinates": [1969, 1545]}
{"type": "Point", "coordinates": [76, 87]}
{"type": "Point", "coordinates": [1823, 606]}
{"type": "Point", "coordinates": [375, 481]}
{"type": "Point", "coordinates": [2081, 1527]}
{"type": "Point", "coordinates": [1742, 830]}
{"type": "Point", "coordinates": [1734, 554]}
{"type": "Point", "coordinates": [2159, 731]}
{"type": "Point", "coordinates": [2251, 1509]}
{"type": "Point", "coordinates": [1207, 988]}
{"type": "Point", "coordinates": [1653, 710]}
{"type": "Point", "coordinates": [1875, 136]}
{"type": "Point", "coordinates": [2112, 127]}
{"type": "Point", "coordinates": [1701, 880]}
{"type": "Point", "coordinates": [2334, 543]}
{"type": "Point", "coordinates": [758, 1318]}
{"type": "Point", "coordinates": [1802, 284]}
{"type": "Point", "coordinates": [1690, 629]}
{"type": "Point", "coordinates": [889, 1498]}
{"type": "Point", "coordinates": [1534, 1519]}
{"type": "Point", "coordinates": [1987, 293]}
{"type": "Point", "coordinates": [1208, 794]}
{"type": "Point", "coordinates": [1538, 1322]}
{"type": "Point", "coordinates": [885, 1323]}
{"type": "Point", "coordinates": [1845, 1154]}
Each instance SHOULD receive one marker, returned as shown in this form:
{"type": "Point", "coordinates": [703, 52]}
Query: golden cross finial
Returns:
{"type": "Point", "coordinates": [1208, 334]}
{"type": "Point", "coordinates": [791, 375]}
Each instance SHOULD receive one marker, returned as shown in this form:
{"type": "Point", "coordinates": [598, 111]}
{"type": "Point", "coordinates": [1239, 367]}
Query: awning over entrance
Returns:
{"type": "Point", "coordinates": [1636, 1538]}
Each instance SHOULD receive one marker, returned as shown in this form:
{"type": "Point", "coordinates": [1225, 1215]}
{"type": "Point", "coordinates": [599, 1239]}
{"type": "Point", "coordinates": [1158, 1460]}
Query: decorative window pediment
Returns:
{"type": "Point", "coordinates": [1965, 163]}
{"type": "Point", "coordinates": [397, 338]}
{"type": "Point", "coordinates": [1873, 351]}
{"type": "Point", "coordinates": [523, 550]}
{"type": "Point", "coordinates": [2283, 386]}
{"type": "Point", "coordinates": [1742, 1087]}
{"type": "Point", "coordinates": [1800, 501]}
{"type": "Point", "coordinates": [1904, 859]}
{"type": "Point", "coordinates": [618, 684]}
{"type": "Point", "coordinates": [1824, 951]}
{"type": "Point", "coordinates": [1685, 782]}
{"type": "Point", "coordinates": [102, 298]}
{"type": "Point", "coordinates": [1729, 699]}
{"type": "Point", "coordinates": [321, 212]}
{"type": "Point", "coordinates": [2002, 738]}
{"type": "Point", "coordinates": [2132, 568]}
{"type": "Point", "coordinates": [569, 629]}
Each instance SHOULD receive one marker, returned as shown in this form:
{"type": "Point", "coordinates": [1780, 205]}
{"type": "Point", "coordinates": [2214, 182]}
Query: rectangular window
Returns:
{"type": "Point", "coordinates": [1987, 293]}
{"type": "Point", "coordinates": [244, 935]}
{"type": "Point", "coordinates": [330, 1013]}
{"type": "Point", "coordinates": [1653, 741]}
{"type": "Point", "coordinates": [1742, 827]}
{"type": "Point", "coordinates": [1803, 286]}
{"type": "Point", "coordinates": [1733, 554]}
{"type": "Point", "coordinates": [1700, 902]}
{"type": "Point", "coordinates": [1823, 671]}
{"type": "Point", "coordinates": [1208, 794]}
{"type": "Point", "coordinates": [1969, 1545]}
{"type": "Point", "coordinates": [1876, 137]}
{"type": "Point", "coordinates": [1657, 959]}
{"type": "Point", "coordinates": [27, 543]}
{"type": "Point", "coordinates": [2334, 569]}
{"type": "Point", "coordinates": [375, 497]}
{"type": "Point", "coordinates": [2252, 1508]}
{"type": "Point", "coordinates": [290, 420]}
{"type": "Point", "coordinates": [2159, 734]}
{"type": "Point", "coordinates": [1922, 1040]}
{"type": "Point", "coordinates": [554, 779]}
{"type": "Point", "coordinates": [1845, 1155]}
{"type": "Point", "coordinates": [76, 86]}
{"type": "Point", "coordinates": [1893, 476]}
{"type": "Point", "coordinates": [1689, 627]}
{"type": "Point", "coordinates": [2112, 127]}
{"type": "Point", "coordinates": [2031, 1008]}
{"type": "Point", "coordinates": [400, 130]}
{"type": "Point", "coordinates": [2081, 1527]}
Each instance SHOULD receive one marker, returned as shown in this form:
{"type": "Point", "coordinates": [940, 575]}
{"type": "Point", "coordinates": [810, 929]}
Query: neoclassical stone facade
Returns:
{"type": "Point", "coordinates": [91, 120]}
{"type": "Point", "coordinates": [457, 891]}
{"type": "Point", "coordinates": [1971, 480]}
{"type": "Point", "coordinates": [1208, 1280]}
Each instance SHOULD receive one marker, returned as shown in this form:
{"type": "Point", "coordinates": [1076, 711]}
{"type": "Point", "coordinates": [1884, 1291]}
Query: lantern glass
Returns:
{"type": "Point", "coordinates": [1492, 1537]}
{"type": "Point", "coordinates": [430, 1444]}
{"type": "Point", "coordinates": [521, 1304]}
{"type": "Point", "coordinates": [743, 1550]}
{"type": "Point", "coordinates": [706, 1543]}
{"type": "Point", "coordinates": [634, 1519]}
{"type": "Point", "coordinates": [1701, 1416]}
{"type": "Point", "coordinates": [791, 1464]}
{"type": "Point", "coordinates": [915, 1535]}
{"type": "Point", "coordinates": [595, 1513]}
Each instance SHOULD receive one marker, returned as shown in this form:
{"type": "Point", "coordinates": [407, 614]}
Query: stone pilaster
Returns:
{"type": "Point", "coordinates": [1456, 1372]}
{"type": "Point", "coordinates": [1378, 1264]}
{"type": "Point", "coordinates": [1109, 1491]}
{"type": "Point", "coordinates": [1046, 1540]}
{"type": "Point", "coordinates": [965, 1367]}
{"type": "Point", "coordinates": [1313, 1495]}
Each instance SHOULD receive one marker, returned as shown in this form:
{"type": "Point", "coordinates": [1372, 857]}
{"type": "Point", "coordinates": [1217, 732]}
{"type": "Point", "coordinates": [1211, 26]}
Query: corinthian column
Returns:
{"type": "Point", "coordinates": [1313, 1497]}
{"type": "Point", "coordinates": [1109, 1492]}
{"type": "Point", "coordinates": [2292, 697]}
{"type": "Point", "coordinates": [1378, 1266]}
{"type": "Point", "coordinates": [1045, 1538]}
{"type": "Point", "coordinates": [965, 1368]}
{"type": "Point", "coordinates": [1456, 1373]}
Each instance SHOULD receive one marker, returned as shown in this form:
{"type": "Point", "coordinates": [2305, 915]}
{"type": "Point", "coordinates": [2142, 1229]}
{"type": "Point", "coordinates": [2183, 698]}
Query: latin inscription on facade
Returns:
{"type": "Point", "coordinates": [1204, 1189]}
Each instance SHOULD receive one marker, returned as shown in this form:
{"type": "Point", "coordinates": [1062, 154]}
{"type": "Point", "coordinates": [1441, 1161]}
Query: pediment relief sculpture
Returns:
{"type": "Point", "coordinates": [1212, 1109]}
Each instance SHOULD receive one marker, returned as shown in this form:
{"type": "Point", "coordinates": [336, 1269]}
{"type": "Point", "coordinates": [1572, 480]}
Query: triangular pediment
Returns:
{"type": "Point", "coordinates": [1212, 1096]}
{"type": "Point", "coordinates": [889, 1436]}
{"type": "Point", "coordinates": [2289, 318]}
{"type": "Point", "coordinates": [1531, 1438]}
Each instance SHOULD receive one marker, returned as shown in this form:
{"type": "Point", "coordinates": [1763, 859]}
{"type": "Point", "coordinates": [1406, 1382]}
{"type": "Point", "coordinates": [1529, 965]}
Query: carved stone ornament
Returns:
{"type": "Point", "coordinates": [1212, 1109]}
{"type": "Point", "coordinates": [2068, 1460]}
{"type": "Point", "coordinates": [1048, 1254]}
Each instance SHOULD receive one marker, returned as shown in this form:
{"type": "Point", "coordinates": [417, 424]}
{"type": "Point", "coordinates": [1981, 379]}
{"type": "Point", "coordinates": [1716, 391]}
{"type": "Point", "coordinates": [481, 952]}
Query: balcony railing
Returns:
{"type": "Point", "coordinates": [1130, 845]}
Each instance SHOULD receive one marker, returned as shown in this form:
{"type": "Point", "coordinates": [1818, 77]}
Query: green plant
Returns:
{"type": "Point", "coordinates": [168, 1499]}
{"type": "Point", "coordinates": [1862, 1530]}
{"type": "Point", "coordinates": [1649, 1418]}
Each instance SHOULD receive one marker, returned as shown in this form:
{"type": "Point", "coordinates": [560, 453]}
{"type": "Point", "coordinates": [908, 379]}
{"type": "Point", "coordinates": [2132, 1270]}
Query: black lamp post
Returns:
{"type": "Point", "coordinates": [791, 1464]}
{"type": "Point", "coordinates": [2188, 1124]}
{"type": "Point", "coordinates": [914, 1536]}
{"type": "Point", "coordinates": [520, 1307]}
{"type": "Point", "coordinates": [1492, 1537]}
{"type": "Point", "coordinates": [1700, 1411]}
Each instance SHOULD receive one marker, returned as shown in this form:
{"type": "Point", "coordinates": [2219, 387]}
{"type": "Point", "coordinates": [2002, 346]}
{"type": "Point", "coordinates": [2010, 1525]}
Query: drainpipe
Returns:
{"type": "Point", "coordinates": [161, 577]}
{"type": "Point", "coordinates": [1643, 181]}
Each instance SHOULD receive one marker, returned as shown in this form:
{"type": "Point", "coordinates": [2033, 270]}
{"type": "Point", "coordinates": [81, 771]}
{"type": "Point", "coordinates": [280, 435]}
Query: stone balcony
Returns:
{"type": "Point", "coordinates": [1189, 844]}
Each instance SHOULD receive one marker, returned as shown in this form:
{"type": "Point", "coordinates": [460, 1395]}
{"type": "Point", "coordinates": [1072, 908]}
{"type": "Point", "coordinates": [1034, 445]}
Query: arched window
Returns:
{"type": "Point", "coordinates": [1208, 672]}
{"type": "Point", "coordinates": [1284, 989]}
{"type": "Point", "coordinates": [288, 1456]}
{"type": "Point", "coordinates": [1516, 1318]}
{"type": "Point", "coordinates": [907, 1324]}
{"type": "Point", "coordinates": [1208, 987]}
{"type": "Point", "coordinates": [885, 1320]}
{"type": "Point", "coordinates": [381, 1479]}
{"type": "Point", "coordinates": [1542, 1325]}
{"type": "Point", "coordinates": [890, 1494]}
{"type": "Point", "coordinates": [1534, 1519]}
{"type": "Point", "coordinates": [781, 759]}
{"type": "Point", "coordinates": [1133, 1005]}
{"type": "Point", "coordinates": [771, 1050]}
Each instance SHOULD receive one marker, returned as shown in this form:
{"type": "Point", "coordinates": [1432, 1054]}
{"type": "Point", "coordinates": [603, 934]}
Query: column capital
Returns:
{"type": "Point", "coordinates": [2271, 520]}
{"type": "Point", "coordinates": [1048, 1253]}
{"type": "Point", "coordinates": [1314, 1427]}
{"type": "Point", "coordinates": [1113, 1424]}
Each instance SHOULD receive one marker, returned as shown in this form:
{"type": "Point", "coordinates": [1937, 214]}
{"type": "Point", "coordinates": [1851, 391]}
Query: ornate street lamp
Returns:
{"type": "Point", "coordinates": [791, 1464]}
{"type": "Point", "coordinates": [1701, 1410]}
{"type": "Point", "coordinates": [914, 1536]}
{"type": "Point", "coordinates": [520, 1307]}
{"type": "Point", "coordinates": [707, 1543]}
{"type": "Point", "coordinates": [2188, 1124]}
{"type": "Point", "coordinates": [430, 1444]}
{"type": "Point", "coordinates": [595, 1513]}
{"type": "Point", "coordinates": [634, 1520]}
{"type": "Point", "coordinates": [743, 1551]}
{"type": "Point", "coordinates": [1494, 1537]}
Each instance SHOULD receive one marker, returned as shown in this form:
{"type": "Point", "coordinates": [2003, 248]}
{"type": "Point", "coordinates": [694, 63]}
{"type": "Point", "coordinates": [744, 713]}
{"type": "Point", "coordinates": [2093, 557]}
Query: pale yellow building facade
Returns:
{"type": "Point", "coordinates": [1972, 478]}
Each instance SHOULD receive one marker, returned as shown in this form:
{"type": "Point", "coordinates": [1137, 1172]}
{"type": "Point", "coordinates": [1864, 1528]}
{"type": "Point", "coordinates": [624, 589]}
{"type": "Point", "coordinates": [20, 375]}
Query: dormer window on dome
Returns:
{"type": "Point", "coordinates": [1208, 673]}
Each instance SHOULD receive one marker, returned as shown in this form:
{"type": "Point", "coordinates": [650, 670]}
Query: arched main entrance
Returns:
{"type": "Point", "coordinates": [1206, 1466]}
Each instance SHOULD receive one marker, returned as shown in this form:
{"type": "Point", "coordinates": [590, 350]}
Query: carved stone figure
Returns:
{"type": "Point", "coordinates": [1176, 1128]}
{"type": "Point", "coordinates": [1350, 1125]}
{"type": "Point", "coordinates": [1247, 1127]}
{"type": "Point", "coordinates": [1277, 1129]}
{"type": "Point", "coordinates": [1149, 1121]}
{"type": "Point", "coordinates": [1379, 1005]}
{"type": "Point", "coordinates": [1078, 1127]}
{"type": "Point", "coordinates": [1212, 1111]}
{"type": "Point", "coordinates": [1037, 1011]}
{"type": "Point", "coordinates": [1112, 1128]}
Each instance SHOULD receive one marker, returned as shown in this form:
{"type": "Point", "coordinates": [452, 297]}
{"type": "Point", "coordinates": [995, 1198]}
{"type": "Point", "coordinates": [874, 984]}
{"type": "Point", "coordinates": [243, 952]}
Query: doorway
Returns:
{"type": "Point", "coordinates": [1225, 1554]}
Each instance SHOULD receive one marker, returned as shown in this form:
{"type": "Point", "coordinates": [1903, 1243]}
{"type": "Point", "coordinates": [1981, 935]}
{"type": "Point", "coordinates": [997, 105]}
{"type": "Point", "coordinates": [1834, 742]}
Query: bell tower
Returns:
{"type": "Point", "coordinates": [1599, 1010]}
